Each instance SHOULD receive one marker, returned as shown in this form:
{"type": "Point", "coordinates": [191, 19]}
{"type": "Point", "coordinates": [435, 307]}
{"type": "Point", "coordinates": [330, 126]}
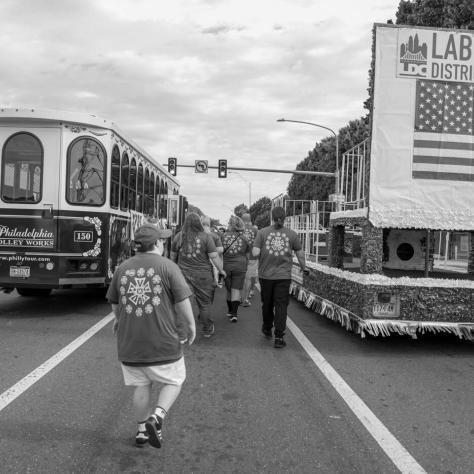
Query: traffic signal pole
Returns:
{"type": "Point", "coordinates": [269, 170]}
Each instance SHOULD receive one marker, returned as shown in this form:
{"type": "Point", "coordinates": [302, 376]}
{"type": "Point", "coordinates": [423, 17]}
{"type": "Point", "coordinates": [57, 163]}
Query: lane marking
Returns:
{"type": "Point", "coordinates": [392, 447]}
{"type": "Point", "coordinates": [26, 382]}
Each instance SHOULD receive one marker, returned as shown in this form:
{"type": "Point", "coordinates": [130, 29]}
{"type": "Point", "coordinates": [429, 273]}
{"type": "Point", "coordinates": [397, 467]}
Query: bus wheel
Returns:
{"type": "Point", "coordinates": [34, 291]}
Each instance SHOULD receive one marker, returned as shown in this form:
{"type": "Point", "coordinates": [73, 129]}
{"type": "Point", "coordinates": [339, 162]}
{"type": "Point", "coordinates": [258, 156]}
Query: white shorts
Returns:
{"type": "Point", "coordinates": [169, 374]}
{"type": "Point", "coordinates": [252, 269]}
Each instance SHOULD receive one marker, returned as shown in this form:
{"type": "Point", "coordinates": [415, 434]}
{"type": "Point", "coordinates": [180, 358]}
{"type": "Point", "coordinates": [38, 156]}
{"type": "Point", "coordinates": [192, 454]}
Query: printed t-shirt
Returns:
{"type": "Point", "coordinates": [276, 247]}
{"type": "Point", "coordinates": [146, 288]}
{"type": "Point", "coordinates": [236, 247]}
{"type": "Point", "coordinates": [194, 258]}
{"type": "Point", "coordinates": [250, 232]}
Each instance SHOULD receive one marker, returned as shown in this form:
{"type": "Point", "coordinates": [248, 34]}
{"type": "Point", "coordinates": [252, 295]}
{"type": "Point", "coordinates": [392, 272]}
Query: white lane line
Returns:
{"type": "Point", "coordinates": [26, 382]}
{"type": "Point", "coordinates": [392, 447]}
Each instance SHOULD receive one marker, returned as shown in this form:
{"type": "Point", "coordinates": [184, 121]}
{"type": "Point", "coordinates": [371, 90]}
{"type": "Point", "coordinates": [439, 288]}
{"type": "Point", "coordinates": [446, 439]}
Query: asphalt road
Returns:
{"type": "Point", "coordinates": [245, 407]}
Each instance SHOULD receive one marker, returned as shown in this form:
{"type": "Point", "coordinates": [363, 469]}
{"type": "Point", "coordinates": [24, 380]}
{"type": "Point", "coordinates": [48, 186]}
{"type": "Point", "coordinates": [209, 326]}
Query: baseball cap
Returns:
{"type": "Point", "coordinates": [149, 233]}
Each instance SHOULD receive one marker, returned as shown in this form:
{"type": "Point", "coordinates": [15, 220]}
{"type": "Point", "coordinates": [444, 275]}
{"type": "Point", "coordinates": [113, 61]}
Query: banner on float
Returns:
{"type": "Point", "coordinates": [422, 155]}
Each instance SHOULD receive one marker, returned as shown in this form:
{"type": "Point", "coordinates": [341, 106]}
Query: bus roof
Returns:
{"type": "Point", "coordinates": [83, 118]}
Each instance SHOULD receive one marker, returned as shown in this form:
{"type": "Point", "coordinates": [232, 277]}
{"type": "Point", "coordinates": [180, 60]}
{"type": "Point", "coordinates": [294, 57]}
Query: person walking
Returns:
{"type": "Point", "coordinates": [206, 224]}
{"type": "Point", "coordinates": [250, 231]}
{"type": "Point", "coordinates": [194, 250]}
{"type": "Point", "coordinates": [274, 246]}
{"type": "Point", "coordinates": [148, 292]}
{"type": "Point", "coordinates": [236, 251]}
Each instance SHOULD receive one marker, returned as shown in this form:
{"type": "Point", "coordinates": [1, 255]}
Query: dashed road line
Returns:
{"type": "Point", "coordinates": [387, 441]}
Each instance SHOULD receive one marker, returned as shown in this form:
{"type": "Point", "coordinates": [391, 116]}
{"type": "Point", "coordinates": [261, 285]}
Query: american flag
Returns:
{"type": "Point", "coordinates": [443, 145]}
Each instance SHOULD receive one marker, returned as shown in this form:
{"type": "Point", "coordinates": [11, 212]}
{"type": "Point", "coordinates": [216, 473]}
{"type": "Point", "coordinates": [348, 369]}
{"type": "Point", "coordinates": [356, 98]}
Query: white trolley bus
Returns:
{"type": "Point", "coordinates": [73, 188]}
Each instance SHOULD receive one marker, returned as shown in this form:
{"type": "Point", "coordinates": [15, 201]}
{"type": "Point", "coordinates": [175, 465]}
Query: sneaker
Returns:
{"type": "Point", "coordinates": [153, 428]}
{"type": "Point", "coordinates": [246, 304]}
{"type": "Point", "coordinates": [267, 333]}
{"type": "Point", "coordinates": [229, 315]}
{"type": "Point", "coordinates": [233, 319]}
{"type": "Point", "coordinates": [209, 332]}
{"type": "Point", "coordinates": [141, 439]}
{"type": "Point", "coordinates": [279, 343]}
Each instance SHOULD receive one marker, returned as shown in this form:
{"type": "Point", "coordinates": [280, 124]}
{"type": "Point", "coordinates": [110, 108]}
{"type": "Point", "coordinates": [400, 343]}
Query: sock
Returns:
{"type": "Point", "coordinates": [229, 306]}
{"type": "Point", "coordinates": [235, 307]}
{"type": "Point", "coordinates": [141, 426]}
{"type": "Point", "coordinates": [160, 412]}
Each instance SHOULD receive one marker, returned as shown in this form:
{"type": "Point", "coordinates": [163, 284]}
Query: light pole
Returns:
{"type": "Point", "coordinates": [248, 182]}
{"type": "Point", "coordinates": [337, 144]}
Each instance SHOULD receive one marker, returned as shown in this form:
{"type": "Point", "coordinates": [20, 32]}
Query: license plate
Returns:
{"type": "Point", "coordinates": [20, 272]}
{"type": "Point", "coordinates": [384, 309]}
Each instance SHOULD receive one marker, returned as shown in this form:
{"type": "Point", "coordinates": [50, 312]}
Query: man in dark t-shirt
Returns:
{"type": "Point", "coordinates": [274, 247]}
{"type": "Point", "coordinates": [148, 293]}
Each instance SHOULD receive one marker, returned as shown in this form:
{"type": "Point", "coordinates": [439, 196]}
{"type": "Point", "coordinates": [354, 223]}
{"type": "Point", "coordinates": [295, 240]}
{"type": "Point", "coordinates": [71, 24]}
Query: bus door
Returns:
{"type": "Point", "coordinates": [29, 199]}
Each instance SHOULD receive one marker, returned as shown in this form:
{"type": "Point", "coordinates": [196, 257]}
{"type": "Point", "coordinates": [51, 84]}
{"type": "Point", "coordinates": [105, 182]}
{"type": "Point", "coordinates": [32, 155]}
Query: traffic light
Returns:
{"type": "Point", "coordinates": [172, 166]}
{"type": "Point", "coordinates": [222, 169]}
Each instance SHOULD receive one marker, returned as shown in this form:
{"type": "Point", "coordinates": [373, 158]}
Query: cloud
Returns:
{"type": "Point", "coordinates": [197, 79]}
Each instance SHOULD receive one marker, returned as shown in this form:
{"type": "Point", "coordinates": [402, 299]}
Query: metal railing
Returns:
{"type": "Point", "coordinates": [353, 176]}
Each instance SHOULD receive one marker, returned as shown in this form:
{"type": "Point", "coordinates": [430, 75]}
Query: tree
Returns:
{"type": "Point", "coordinates": [323, 158]}
{"type": "Point", "coordinates": [240, 210]}
{"type": "Point", "coordinates": [441, 13]}
{"type": "Point", "coordinates": [260, 212]}
{"type": "Point", "coordinates": [195, 209]}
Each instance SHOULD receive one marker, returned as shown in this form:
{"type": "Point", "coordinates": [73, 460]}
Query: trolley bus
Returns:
{"type": "Point", "coordinates": [73, 188]}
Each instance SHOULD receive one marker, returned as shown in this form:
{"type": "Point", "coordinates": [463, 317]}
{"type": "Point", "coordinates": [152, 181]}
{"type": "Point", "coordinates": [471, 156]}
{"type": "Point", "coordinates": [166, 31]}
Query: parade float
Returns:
{"type": "Point", "coordinates": [402, 193]}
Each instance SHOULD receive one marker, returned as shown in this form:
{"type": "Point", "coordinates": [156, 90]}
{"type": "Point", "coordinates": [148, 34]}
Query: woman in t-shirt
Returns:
{"type": "Point", "coordinates": [193, 250]}
{"type": "Point", "coordinates": [236, 252]}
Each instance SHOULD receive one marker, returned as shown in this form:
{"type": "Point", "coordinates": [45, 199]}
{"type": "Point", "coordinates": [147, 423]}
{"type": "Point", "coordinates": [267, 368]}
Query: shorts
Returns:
{"type": "Point", "coordinates": [252, 269]}
{"type": "Point", "coordinates": [234, 280]}
{"type": "Point", "coordinates": [169, 374]}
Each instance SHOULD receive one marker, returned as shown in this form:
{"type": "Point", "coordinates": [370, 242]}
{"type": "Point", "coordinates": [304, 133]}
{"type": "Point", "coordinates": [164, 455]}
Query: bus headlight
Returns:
{"type": "Point", "coordinates": [49, 265]}
{"type": "Point", "coordinates": [94, 266]}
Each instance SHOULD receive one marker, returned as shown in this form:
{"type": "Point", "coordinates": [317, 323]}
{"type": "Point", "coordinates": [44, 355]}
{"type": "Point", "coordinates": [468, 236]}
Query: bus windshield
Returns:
{"type": "Point", "coordinates": [86, 167]}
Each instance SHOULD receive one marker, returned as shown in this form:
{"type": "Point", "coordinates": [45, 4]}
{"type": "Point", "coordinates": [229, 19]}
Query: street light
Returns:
{"type": "Point", "coordinates": [335, 136]}
{"type": "Point", "coordinates": [249, 183]}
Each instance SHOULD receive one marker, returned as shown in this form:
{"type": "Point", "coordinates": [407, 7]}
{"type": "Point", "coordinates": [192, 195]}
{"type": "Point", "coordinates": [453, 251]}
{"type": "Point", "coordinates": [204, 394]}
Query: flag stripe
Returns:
{"type": "Point", "coordinates": [448, 137]}
{"type": "Point", "coordinates": [443, 144]}
{"type": "Point", "coordinates": [466, 154]}
{"type": "Point", "coordinates": [443, 160]}
{"type": "Point", "coordinates": [443, 176]}
{"type": "Point", "coordinates": [442, 168]}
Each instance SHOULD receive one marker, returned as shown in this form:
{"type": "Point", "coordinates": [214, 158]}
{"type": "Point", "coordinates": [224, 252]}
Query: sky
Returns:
{"type": "Point", "coordinates": [198, 79]}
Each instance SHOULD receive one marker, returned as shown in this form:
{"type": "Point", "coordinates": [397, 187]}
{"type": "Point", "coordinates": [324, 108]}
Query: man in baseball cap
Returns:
{"type": "Point", "coordinates": [148, 294]}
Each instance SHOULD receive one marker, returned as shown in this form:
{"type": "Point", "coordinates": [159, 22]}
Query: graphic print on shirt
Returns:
{"type": "Point", "coordinates": [250, 234]}
{"type": "Point", "coordinates": [140, 291]}
{"type": "Point", "coordinates": [277, 243]}
{"type": "Point", "coordinates": [233, 247]}
{"type": "Point", "coordinates": [194, 249]}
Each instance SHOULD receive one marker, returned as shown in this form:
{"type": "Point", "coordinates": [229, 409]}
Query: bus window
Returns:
{"type": "Point", "coordinates": [124, 184]}
{"type": "Point", "coordinates": [86, 172]}
{"type": "Point", "coordinates": [22, 169]}
{"type": "Point", "coordinates": [132, 185]}
{"type": "Point", "coordinates": [139, 204]}
{"type": "Point", "coordinates": [115, 179]}
{"type": "Point", "coordinates": [151, 193]}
